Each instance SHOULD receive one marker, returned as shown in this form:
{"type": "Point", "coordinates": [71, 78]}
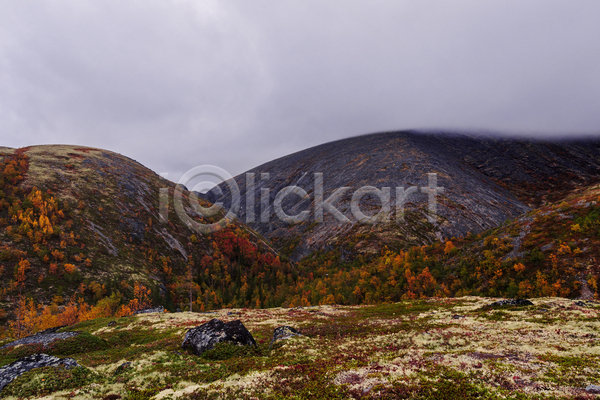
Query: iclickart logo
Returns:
{"type": "Point", "coordinates": [319, 204]}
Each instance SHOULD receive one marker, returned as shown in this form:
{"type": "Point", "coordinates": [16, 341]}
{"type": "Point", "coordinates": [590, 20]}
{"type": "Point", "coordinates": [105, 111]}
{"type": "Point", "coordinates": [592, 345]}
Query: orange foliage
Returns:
{"type": "Point", "coordinates": [421, 285]}
{"type": "Point", "coordinates": [31, 318]}
{"type": "Point", "coordinates": [449, 247]}
{"type": "Point", "coordinates": [58, 255]}
{"type": "Point", "coordinates": [519, 267]}
{"type": "Point", "coordinates": [26, 318]}
{"type": "Point", "coordinates": [22, 268]}
{"type": "Point", "coordinates": [141, 298]}
{"type": "Point", "coordinates": [70, 268]}
{"type": "Point", "coordinates": [564, 249]}
{"type": "Point", "coordinates": [53, 269]}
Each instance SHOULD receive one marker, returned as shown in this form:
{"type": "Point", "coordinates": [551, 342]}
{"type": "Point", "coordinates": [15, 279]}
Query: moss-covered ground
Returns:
{"type": "Point", "coordinates": [419, 349]}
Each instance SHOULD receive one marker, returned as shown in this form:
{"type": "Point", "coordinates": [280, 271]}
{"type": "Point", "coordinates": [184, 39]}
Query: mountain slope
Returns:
{"type": "Point", "coordinates": [486, 181]}
{"type": "Point", "coordinates": [77, 224]}
{"type": "Point", "coordinates": [550, 251]}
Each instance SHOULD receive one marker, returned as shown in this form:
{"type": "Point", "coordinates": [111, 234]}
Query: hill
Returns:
{"type": "Point", "coordinates": [486, 181]}
{"type": "Point", "coordinates": [79, 225]}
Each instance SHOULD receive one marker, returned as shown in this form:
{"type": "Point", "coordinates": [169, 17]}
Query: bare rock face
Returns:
{"type": "Point", "coordinates": [45, 337]}
{"type": "Point", "coordinates": [486, 181]}
{"type": "Point", "coordinates": [204, 337]}
{"type": "Point", "coordinates": [12, 371]}
{"type": "Point", "coordinates": [282, 333]}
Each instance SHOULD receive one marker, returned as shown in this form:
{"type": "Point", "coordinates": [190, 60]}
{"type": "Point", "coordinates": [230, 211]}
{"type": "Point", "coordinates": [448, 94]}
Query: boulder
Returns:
{"type": "Point", "coordinates": [12, 371]}
{"type": "Point", "coordinates": [595, 389]}
{"type": "Point", "coordinates": [159, 309]}
{"type": "Point", "coordinates": [511, 302]}
{"type": "Point", "coordinates": [282, 333]}
{"type": "Point", "coordinates": [44, 337]}
{"type": "Point", "coordinates": [204, 337]}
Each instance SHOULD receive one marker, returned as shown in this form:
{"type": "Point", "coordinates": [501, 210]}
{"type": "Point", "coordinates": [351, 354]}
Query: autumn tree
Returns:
{"type": "Point", "coordinates": [449, 247]}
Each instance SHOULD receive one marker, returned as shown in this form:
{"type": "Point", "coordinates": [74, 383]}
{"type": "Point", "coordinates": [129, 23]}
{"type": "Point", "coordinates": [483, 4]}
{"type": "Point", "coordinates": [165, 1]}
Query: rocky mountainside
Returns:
{"type": "Point", "coordinates": [82, 223]}
{"type": "Point", "coordinates": [486, 181]}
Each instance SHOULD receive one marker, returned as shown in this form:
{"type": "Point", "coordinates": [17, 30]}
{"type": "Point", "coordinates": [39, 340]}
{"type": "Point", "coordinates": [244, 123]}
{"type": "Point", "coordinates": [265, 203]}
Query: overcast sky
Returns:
{"type": "Point", "coordinates": [176, 84]}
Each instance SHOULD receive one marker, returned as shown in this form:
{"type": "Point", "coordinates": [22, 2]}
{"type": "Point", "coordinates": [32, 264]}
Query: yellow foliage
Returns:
{"type": "Point", "coordinates": [525, 288]}
{"type": "Point", "coordinates": [45, 225]}
{"type": "Point", "coordinates": [564, 249]}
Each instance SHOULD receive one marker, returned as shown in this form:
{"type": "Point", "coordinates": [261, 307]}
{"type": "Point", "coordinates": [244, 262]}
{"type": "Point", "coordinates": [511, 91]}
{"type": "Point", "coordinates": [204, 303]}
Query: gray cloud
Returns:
{"type": "Point", "coordinates": [175, 84]}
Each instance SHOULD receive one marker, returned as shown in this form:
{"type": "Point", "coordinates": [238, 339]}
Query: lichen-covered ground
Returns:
{"type": "Point", "coordinates": [426, 349]}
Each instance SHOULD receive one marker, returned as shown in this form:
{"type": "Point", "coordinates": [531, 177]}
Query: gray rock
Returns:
{"type": "Point", "coordinates": [547, 247]}
{"type": "Point", "coordinates": [45, 337]}
{"type": "Point", "coordinates": [12, 371]}
{"type": "Point", "coordinates": [159, 309]}
{"type": "Point", "coordinates": [204, 337]}
{"type": "Point", "coordinates": [593, 389]}
{"type": "Point", "coordinates": [282, 333]}
{"type": "Point", "coordinates": [511, 302]}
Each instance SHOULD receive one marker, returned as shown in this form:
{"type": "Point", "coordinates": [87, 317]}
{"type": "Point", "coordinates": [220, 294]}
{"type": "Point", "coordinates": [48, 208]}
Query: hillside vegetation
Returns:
{"type": "Point", "coordinates": [81, 226]}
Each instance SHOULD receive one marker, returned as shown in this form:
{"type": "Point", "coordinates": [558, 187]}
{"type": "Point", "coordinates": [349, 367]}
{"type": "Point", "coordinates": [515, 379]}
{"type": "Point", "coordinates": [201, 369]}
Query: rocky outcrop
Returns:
{"type": "Point", "coordinates": [204, 337]}
{"type": "Point", "coordinates": [159, 309]}
{"type": "Point", "coordinates": [584, 303]}
{"type": "Point", "coordinates": [282, 333]}
{"type": "Point", "coordinates": [12, 371]}
{"type": "Point", "coordinates": [46, 337]}
{"type": "Point", "coordinates": [511, 302]}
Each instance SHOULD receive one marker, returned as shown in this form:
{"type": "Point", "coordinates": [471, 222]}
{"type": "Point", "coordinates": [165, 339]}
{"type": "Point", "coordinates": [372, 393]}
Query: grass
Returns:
{"type": "Point", "coordinates": [412, 349]}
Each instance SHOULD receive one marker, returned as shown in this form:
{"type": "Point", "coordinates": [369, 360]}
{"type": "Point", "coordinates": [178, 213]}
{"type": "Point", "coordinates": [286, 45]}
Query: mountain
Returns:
{"type": "Point", "coordinates": [82, 223]}
{"type": "Point", "coordinates": [88, 227]}
{"type": "Point", "coordinates": [487, 180]}
{"type": "Point", "coordinates": [549, 251]}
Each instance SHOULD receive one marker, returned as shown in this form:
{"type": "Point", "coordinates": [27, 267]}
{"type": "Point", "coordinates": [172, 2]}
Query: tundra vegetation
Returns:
{"type": "Point", "coordinates": [417, 349]}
